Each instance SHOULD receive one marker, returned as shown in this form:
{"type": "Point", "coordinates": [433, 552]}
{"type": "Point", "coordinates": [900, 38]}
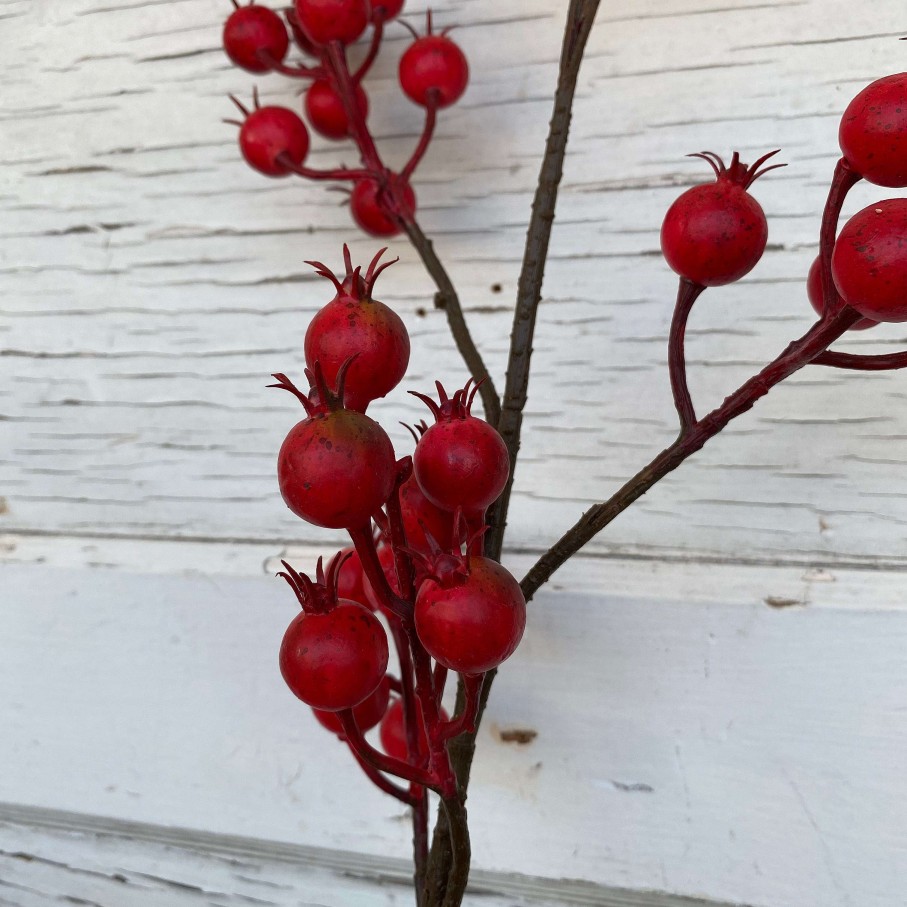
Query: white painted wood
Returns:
{"type": "Point", "coordinates": [151, 282]}
{"type": "Point", "coordinates": [46, 856]}
{"type": "Point", "coordinates": [696, 732]}
{"type": "Point", "coordinates": [719, 693]}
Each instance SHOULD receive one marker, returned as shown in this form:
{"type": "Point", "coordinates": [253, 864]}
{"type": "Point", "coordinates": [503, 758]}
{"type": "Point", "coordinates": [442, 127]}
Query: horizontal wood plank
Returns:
{"type": "Point", "coordinates": [150, 282]}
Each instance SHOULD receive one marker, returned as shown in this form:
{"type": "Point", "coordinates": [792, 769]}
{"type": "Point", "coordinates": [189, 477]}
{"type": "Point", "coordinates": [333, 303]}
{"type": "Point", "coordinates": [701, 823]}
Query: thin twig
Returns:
{"type": "Point", "coordinates": [448, 300]}
{"type": "Point", "coordinates": [687, 294]}
{"type": "Point", "coordinates": [882, 363]}
{"type": "Point", "coordinates": [798, 354]}
{"type": "Point", "coordinates": [580, 17]}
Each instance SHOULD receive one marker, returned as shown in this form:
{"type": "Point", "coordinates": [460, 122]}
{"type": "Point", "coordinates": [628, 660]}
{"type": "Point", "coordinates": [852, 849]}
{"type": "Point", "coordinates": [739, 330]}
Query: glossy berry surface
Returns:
{"type": "Point", "coordinates": [371, 207]}
{"type": "Point", "coordinates": [434, 69]}
{"type": "Point", "coordinates": [254, 37]}
{"type": "Point", "coordinates": [817, 301]}
{"type": "Point", "coordinates": [332, 20]}
{"type": "Point", "coordinates": [421, 516]}
{"type": "Point", "coordinates": [471, 623]}
{"type": "Point", "coordinates": [869, 262]}
{"type": "Point", "coordinates": [393, 732]}
{"type": "Point", "coordinates": [325, 112]}
{"type": "Point", "coordinates": [336, 469]}
{"type": "Point", "coordinates": [356, 326]}
{"type": "Point", "coordinates": [368, 713]}
{"type": "Point", "coordinates": [873, 132]}
{"type": "Point", "coordinates": [334, 660]}
{"type": "Point", "coordinates": [461, 461]}
{"type": "Point", "coordinates": [716, 233]}
{"type": "Point", "coordinates": [270, 132]}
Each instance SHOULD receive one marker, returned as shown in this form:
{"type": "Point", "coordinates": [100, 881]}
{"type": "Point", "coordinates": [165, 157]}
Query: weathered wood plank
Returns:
{"type": "Point", "coordinates": [150, 282]}
{"type": "Point", "coordinates": [712, 731]}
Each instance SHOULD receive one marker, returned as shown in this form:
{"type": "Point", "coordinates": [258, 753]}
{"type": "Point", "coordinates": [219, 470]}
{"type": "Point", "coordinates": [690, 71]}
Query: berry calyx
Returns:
{"type": "Point", "coordinates": [433, 70]}
{"type": "Point", "coordinates": [334, 653]}
{"type": "Point", "coordinates": [368, 713]}
{"type": "Point", "coordinates": [378, 210]}
{"type": "Point", "coordinates": [255, 38]}
{"type": "Point", "coordinates": [351, 578]}
{"type": "Point", "coordinates": [325, 111]}
{"type": "Point", "coordinates": [461, 462]}
{"type": "Point", "coordinates": [354, 324]}
{"type": "Point", "coordinates": [324, 21]}
{"type": "Point", "coordinates": [470, 613]}
{"type": "Point", "coordinates": [873, 132]}
{"type": "Point", "coordinates": [337, 467]}
{"type": "Point", "coordinates": [715, 233]}
{"type": "Point", "coordinates": [271, 139]}
{"type": "Point", "coordinates": [869, 261]}
{"type": "Point", "coordinates": [817, 299]}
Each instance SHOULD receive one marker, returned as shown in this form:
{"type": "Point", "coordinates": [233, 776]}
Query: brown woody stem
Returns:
{"type": "Point", "coordinates": [687, 294]}
{"type": "Point", "coordinates": [580, 16]}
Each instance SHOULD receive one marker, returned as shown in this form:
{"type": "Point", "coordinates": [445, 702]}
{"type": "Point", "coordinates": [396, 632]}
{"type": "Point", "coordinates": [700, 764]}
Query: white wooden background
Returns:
{"type": "Point", "coordinates": [719, 688]}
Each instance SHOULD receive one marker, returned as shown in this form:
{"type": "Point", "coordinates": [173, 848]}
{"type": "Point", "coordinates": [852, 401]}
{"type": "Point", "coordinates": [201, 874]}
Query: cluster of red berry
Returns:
{"type": "Point", "coordinates": [416, 526]}
{"type": "Point", "coordinates": [274, 140]}
{"type": "Point", "coordinates": [715, 233]}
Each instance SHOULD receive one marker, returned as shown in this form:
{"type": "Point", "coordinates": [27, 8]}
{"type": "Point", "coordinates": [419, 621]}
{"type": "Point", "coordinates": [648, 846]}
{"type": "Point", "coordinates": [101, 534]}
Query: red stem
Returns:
{"type": "Point", "coordinates": [374, 47]}
{"type": "Point", "coordinates": [371, 566]}
{"type": "Point", "coordinates": [294, 72]}
{"type": "Point", "coordinates": [378, 760]}
{"type": "Point", "coordinates": [843, 180]}
{"type": "Point", "coordinates": [466, 720]}
{"type": "Point", "coordinates": [340, 173]}
{"type": "Point", "coordinates": [339, 73]}
{"type": "Point", "coordinates": [397, 531]}
{"type": "Point", "coordinates": [687, 294]}
{"type": "Point", "coordinates": [880, 363]}
{"type": "Point", "coordinates": [798, 354]}
{"type": "Point", "coordinates": [382, 783]}
{"type": "Point", "coordinates": [428, 130]}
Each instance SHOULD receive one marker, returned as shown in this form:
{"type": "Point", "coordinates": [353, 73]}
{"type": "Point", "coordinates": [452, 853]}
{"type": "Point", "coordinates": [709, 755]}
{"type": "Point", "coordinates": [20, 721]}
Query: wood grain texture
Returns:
{"type": "Point", "coordinates": [728, 733]}
{"type": "Point", "coordinates": [151, 282]}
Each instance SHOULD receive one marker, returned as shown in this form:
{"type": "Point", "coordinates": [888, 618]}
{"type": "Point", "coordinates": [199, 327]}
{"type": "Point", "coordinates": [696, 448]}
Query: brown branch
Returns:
{"type": "Point", "coordinates": [529, 292]}
{"type": "Point", "coordinates": [448, 300]}
{"type": "Point", "coordinates": [798, 354]}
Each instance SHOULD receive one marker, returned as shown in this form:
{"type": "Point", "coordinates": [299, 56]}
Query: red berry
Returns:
{"type": "Point", "coordinates": [472, 618]}
{"type": "Point", "coordinates": [270, 132]}
{"type": "Point", "coordinates": [332, 20]}
{"type": "Point", "coordinates": [367, 714]}
{"type": "Point", "coordinates": [337, 467]}
{"type": "Point", "coordinates": [873, 133]}
{"type": "Point", "coordinates": [434, 67]}
{"type": "Point", "coordinates": [255, 37]}
{"type": "Point", "coordinates": [461, 461]}
{"type": "Point", "coordinates": [333, 661]}
{"type": "Point", "coordinates": [354, 324]}
{"type": "Point", "coordinates": [421, 516]}
{"type": "Point", "coordinates": [817, 300]}
{"type": "Point", "coordinates": [716, 232]}
{"type": "Point", "coordinates": [869, 262]}
{"type": "Point", "coordinates": [373, 207]}
{"type": "Point", "coordinates": [325, 112]}
{"type": "Point", "coordinates": [334, 654]}
{"type": "Point", "coordinates": [393, 732]}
